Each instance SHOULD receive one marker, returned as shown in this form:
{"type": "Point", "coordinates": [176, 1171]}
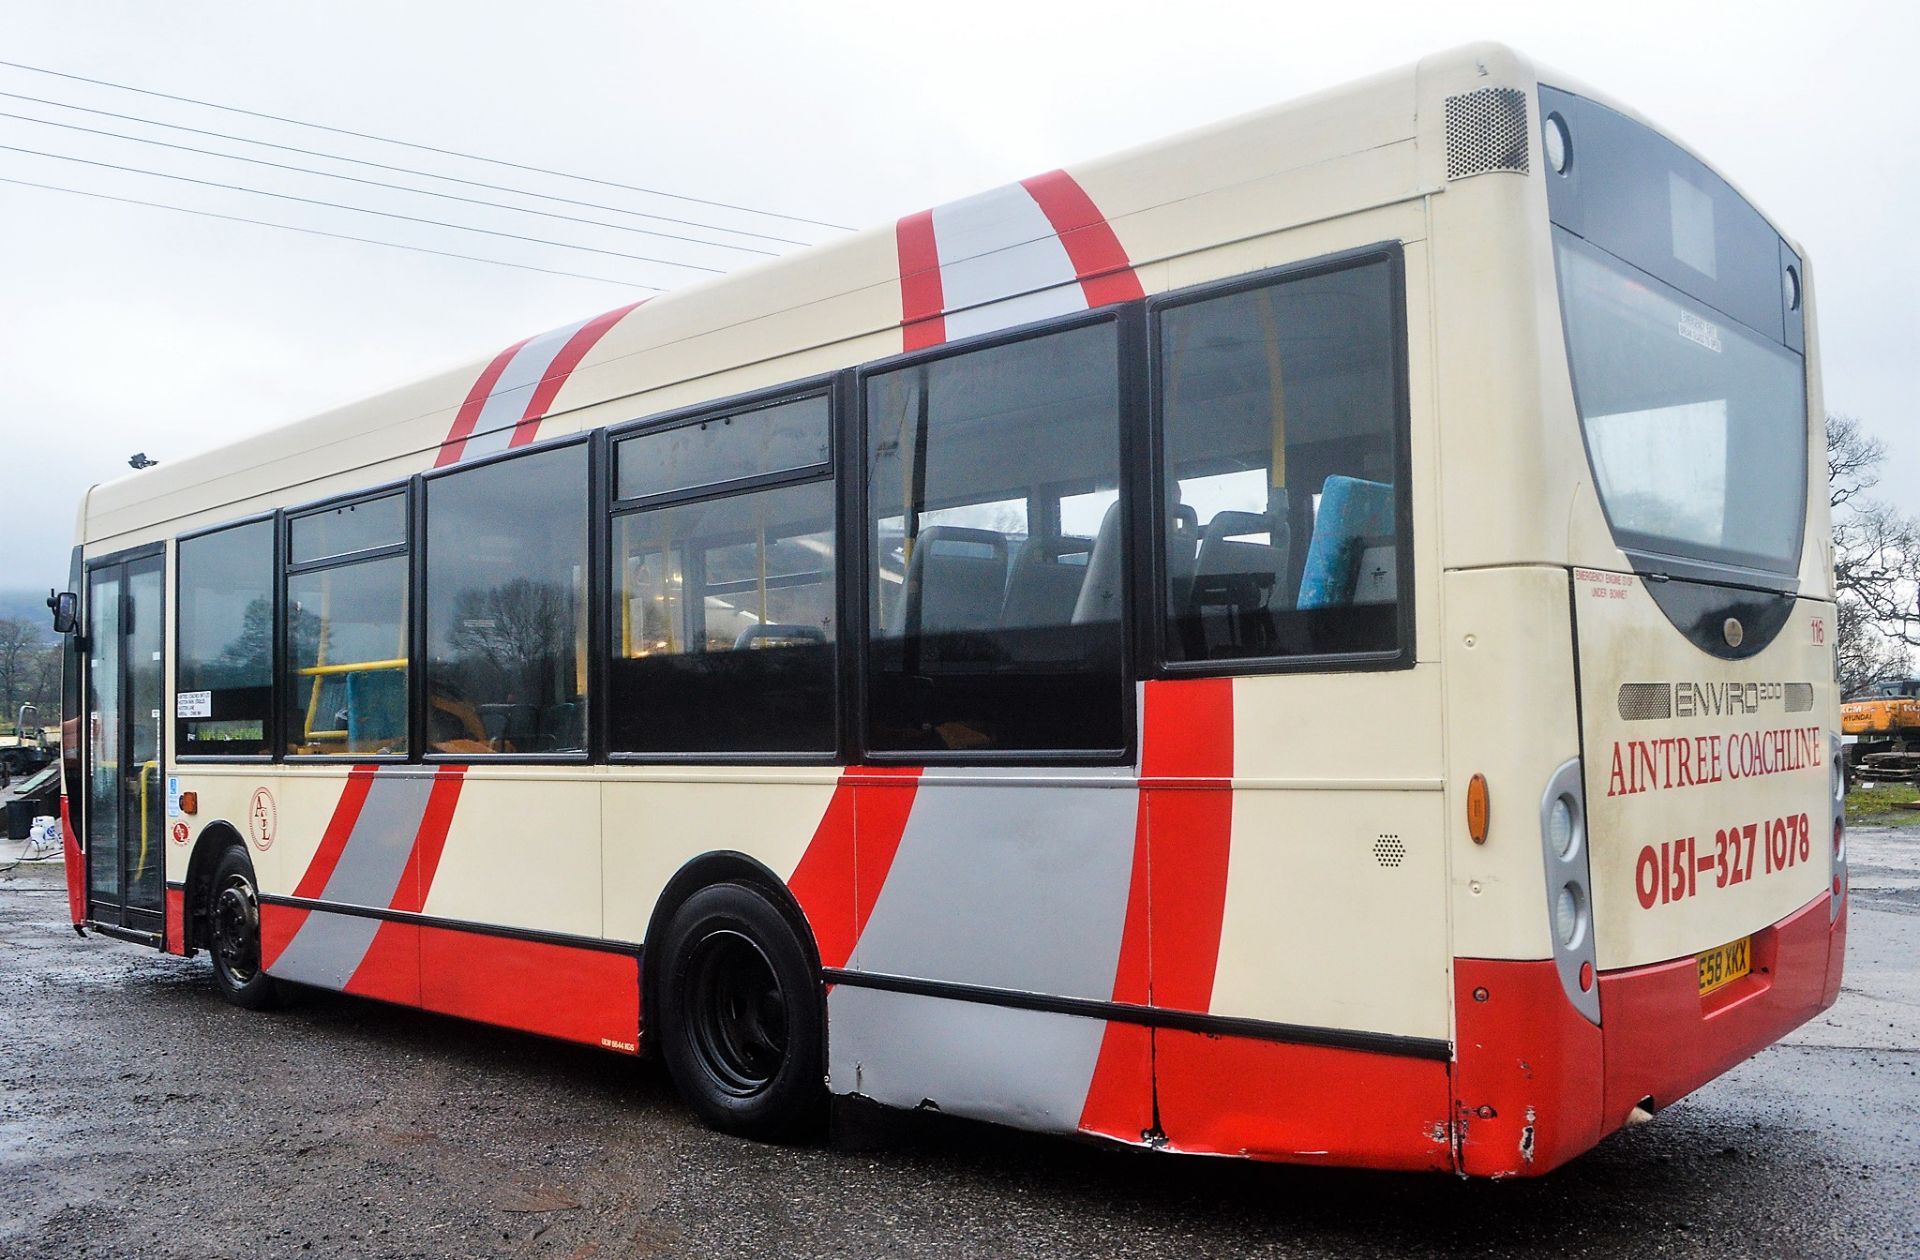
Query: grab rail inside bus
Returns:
{"type": "Point", "coordinates": [319, 674]}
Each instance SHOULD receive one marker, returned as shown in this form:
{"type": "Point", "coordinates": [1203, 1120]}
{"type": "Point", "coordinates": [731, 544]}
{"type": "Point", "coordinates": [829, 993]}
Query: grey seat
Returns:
{"type": "Point", "coordinates": [1044, 581]}
{"type": "Point", "coordinates": [1231, 571]}
{"type": "Point", "coordinates": [955, 581]}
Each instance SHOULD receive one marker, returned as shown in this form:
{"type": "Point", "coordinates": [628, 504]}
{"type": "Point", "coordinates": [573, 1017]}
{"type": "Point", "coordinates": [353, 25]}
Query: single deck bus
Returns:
{"type": "Point", "coordinates": [1309, 640]}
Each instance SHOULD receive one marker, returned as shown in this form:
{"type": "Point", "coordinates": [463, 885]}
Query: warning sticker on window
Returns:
{"type": "Point", "coordinates": [193, 704]}
{"type": "Point", "coordinates": [1700, 331]}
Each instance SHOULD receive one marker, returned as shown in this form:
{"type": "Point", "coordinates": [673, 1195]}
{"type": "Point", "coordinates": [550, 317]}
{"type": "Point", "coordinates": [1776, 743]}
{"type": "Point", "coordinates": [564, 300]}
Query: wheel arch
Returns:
{"type": "Point", "coordinates": [719, 866]}
{"type": "Point", "coordinates": [215, 838]}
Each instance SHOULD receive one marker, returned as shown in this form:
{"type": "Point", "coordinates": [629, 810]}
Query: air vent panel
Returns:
{"type": "Point", "coordinates": [1486, 132]}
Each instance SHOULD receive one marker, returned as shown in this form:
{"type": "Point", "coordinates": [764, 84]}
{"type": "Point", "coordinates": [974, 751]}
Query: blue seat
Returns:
{"type": "Point", "coordinates": [1353, 515]}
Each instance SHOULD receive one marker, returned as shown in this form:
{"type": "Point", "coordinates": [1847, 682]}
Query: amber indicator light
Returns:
{"type": "Point", "coordinates": [1478, 808]}
{"type": "Point", "coordinates": [189, 802]}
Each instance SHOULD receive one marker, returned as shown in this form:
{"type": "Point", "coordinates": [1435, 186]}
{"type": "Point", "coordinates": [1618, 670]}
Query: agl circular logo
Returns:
{"type": "Point", "coordinates": [262, 819]}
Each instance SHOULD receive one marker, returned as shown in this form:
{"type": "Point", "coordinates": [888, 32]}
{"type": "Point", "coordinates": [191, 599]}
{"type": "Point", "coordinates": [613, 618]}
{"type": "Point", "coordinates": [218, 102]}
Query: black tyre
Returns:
{"type": "Point", "coordinates": [741, 1015]}
{"type": "Point", "coordinates": [234, 921]}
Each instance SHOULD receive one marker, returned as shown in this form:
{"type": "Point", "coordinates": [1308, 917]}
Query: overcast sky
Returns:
{"type": "Point", "coordinates": [124, 328]}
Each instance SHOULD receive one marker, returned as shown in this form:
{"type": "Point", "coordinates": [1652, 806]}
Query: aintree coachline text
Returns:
{"type": "Point", "coordinates": [1651, 765]}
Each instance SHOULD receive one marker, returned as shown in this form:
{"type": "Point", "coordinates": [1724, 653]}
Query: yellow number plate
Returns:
{"type": "Point", "coordinates": [1724, 965]}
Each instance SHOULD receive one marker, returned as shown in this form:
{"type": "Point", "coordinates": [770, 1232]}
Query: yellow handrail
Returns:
{"type": "Point", "coordinates": [353, 667]}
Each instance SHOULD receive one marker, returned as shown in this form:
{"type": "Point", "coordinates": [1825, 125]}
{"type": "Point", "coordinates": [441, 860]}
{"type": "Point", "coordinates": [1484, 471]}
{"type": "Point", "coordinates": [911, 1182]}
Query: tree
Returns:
{"type": "Point", "coordinates": [1876, 563]}
{"type": "Point", "coordinates": [21, 647]}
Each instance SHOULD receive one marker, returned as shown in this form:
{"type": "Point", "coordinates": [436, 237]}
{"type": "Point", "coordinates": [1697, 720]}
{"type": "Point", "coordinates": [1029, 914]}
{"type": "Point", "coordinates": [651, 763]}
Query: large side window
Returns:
{"type": "Point", "coordinates": [724, 616]}
{"type": "Point", "coordinates": [996, 549]}
{"type": "Point", "coordinates": [1281, 429]}
{"type": "Point", "coordinates": [224, 659]}
{"type": "Point", "coordinates": [506, 599]}
{"type": "Point", "coordinates": [346, 650]}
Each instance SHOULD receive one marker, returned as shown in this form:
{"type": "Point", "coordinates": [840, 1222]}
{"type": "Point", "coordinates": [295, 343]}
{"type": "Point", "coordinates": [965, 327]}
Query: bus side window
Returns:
{"type": "Point", "coordinates": [346, 663]}
{"type": "Point", "coordinates": [1279, 424]}
{"type": "Point", "coordinates": [724, 608]}
{"type": "Point", "coordinates": [506, 596]}
{"type": "Point", "coordinates": [224, 660]}
{"type": "Point", "coordinates": [994, 531]}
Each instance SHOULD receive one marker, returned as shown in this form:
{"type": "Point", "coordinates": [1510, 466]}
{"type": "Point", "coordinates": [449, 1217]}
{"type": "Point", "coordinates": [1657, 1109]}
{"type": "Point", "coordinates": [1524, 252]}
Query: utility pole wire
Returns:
{"type": "Point", "coordinates": [337, 236]}
{"type": "Point", "coordinates": [403, 170]}
{"type": "Point", "coordinates": [336, 205]}
{"type": "Point", "coordinates": [427, 148]}
{"type": "Point", "coordinates": [376, 183]}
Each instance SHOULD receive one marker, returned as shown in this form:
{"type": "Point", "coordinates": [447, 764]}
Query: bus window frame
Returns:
{"type": "Point", "coordinates": [1152, 560]}
{"type": "Point", "coordinates": [1129, 333]}
{"type": "Point", "coordinates": [609, 510]}
{"type": "Point", "coordinates": [277, 597]}
{"type": "Point", "coordinates": [283, 698]}
{"type": "Point", "coordinates": [417, 689]}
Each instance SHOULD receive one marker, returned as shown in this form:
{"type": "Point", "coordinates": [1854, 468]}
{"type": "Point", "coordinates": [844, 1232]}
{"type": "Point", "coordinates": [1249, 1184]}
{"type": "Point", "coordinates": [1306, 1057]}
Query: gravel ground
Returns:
{"type": "Point", "coordinates": [140, 1116]}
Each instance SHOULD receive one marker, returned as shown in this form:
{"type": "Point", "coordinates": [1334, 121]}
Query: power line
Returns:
{"type": "Point", "coordinates": [338, 236]}
{"type": "Point", "coordinates": [426, 148]}
{"type": "Point", "coordinates": [405, 170]}
{"type": "Point", "coordinates": [376, 183]}
{"type": "Point", "coordinates": [336, 205]}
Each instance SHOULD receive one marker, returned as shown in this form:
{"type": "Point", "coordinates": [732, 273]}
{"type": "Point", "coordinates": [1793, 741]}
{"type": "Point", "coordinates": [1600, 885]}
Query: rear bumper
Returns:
{"type": "Point", "coordinates": [1535, 1084]}
{"type": "Point", "coordinates": [1663, 1040]}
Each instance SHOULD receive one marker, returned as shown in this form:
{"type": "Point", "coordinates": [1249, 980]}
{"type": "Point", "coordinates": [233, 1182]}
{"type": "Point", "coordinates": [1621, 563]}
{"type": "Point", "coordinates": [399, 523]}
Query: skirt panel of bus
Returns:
{"type": "Point", "coordinates": [573, 992]}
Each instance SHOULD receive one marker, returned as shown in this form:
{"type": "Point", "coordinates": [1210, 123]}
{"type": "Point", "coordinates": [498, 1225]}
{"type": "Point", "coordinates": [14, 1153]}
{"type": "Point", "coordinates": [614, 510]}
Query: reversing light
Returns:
{"type": "Point", "coordinates": [1569, 914]}
{"type": "Point", "coordinates": [1557, 143]}
{"type": "Point", "coordinates": [1560, 832]}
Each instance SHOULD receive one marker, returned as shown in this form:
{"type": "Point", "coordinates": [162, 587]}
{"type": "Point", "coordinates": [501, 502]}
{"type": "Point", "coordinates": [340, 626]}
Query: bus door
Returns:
{"type": "Point", "coordinates": [126, 799]}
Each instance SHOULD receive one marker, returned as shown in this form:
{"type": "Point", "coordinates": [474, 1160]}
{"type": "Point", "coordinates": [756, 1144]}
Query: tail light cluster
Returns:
{"type": "Point", "coordinates": [1837, 773]}
{"type": "Point", "coordinates": [1563, 840]}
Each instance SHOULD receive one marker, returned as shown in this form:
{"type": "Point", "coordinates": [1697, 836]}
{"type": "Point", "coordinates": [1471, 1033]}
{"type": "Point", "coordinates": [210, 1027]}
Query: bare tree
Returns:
{"type": "Point", "coordinates": [21, 644]}
{"type": "Point", "coordinates": [1876, 563]}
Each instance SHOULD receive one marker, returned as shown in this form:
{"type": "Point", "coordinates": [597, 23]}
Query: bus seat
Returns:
{"type": "Point", "coordinates": [1183, 545]}
{"type": "Point", "coordinates": [1228, 570]}
{"type": "Point", "coordinates": [771, 634]}
{"type": "Point", "coordinates": [1353, 513]}
{"type": "Point", "coordinates": [954, 581]}
{"type": "Point", "coordinates": [1100, 594]}
{"type": "Point", "coordinates": [1044, 581]}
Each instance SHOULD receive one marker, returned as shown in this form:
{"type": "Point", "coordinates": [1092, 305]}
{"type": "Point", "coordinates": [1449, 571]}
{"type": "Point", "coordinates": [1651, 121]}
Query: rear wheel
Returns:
{"type": "Point", "coordinates": [740, 1013]}
{"type": "Point", "coordinates": [235, 915]}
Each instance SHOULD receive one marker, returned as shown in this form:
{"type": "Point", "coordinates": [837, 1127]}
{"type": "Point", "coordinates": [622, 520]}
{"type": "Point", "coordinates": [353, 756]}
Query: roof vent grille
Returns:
{"type": "Point", "coordinates": [1486, 132]}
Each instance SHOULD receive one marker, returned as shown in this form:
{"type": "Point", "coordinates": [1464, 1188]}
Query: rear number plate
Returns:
{"type": "Point", "coordinates": [1724, 965]}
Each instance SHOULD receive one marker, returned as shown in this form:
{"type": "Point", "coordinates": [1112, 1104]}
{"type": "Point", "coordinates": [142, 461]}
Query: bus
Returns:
{"type": "Point", "coordinates": [1307, 641]}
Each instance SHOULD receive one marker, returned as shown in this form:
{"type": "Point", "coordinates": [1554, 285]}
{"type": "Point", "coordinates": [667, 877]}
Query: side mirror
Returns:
{"type": "Point", "coordinates": [66, 611]}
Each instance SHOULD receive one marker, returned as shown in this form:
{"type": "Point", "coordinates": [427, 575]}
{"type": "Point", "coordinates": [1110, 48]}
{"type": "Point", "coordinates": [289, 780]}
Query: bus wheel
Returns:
{"type": "Point", "coordinates": [740, 1015]}
{"type": "Point", "coordinates": [235, 914]}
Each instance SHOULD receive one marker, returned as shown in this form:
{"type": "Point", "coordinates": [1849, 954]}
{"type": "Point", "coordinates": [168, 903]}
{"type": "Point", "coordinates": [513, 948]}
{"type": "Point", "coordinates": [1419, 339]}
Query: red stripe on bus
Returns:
{"type": "Point", "coordinates": [1120, 1096]}
{"type": "Point", "coordinates": [922, 299]}
{"type": "Point", "coordinates": [1187, 736]}
{"type": "Point", "coordinates": [333, 841]}
{"type": "Point", "coordinates": [1106, 274]}
{"type": "Point", "coordinates": [469, 414]}
{"type": "Point", "coordinates": [417, 880]}
{"type": "Point", "coordinates": [75, 862]}
{"type": "Point", "coordinates": [560, 369]}
{"type": "Point", "coordinates": [390, 970]}
{"type": "Point", "coordinates": [278, 926]}
{"type": "Point", "coordinates": [176, 929]}
{"type": "Point", "coordinates": [838, 878]}
{"type": "Point", "coordinates": [585, 995]}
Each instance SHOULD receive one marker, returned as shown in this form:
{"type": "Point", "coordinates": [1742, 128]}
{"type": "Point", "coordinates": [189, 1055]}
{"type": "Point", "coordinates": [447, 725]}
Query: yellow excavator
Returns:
{"type": "Point", "coordinates": [1883, 733]}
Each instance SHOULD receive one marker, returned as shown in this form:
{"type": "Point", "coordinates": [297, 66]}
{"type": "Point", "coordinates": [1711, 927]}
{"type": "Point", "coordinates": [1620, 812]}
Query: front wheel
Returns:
{"type": "Point", "coordinates": [235, 915]}
{"type": "Point", "coordinates": [740, 1012]}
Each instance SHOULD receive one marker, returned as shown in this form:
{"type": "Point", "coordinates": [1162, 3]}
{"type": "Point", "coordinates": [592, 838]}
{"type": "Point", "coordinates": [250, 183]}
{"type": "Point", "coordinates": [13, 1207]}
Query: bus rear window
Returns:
{"type": "Point", "coordinates": [1696, 427]}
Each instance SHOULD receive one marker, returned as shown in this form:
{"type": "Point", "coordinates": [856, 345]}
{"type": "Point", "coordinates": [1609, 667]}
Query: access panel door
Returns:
{"type": "Point", "coordinates": [126, 620]}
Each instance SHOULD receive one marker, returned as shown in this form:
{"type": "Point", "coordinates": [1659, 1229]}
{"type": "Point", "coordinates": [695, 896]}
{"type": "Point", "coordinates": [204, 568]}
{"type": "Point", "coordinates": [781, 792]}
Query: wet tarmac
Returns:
{"type": "Point", "coordinates": [140, 1116]}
